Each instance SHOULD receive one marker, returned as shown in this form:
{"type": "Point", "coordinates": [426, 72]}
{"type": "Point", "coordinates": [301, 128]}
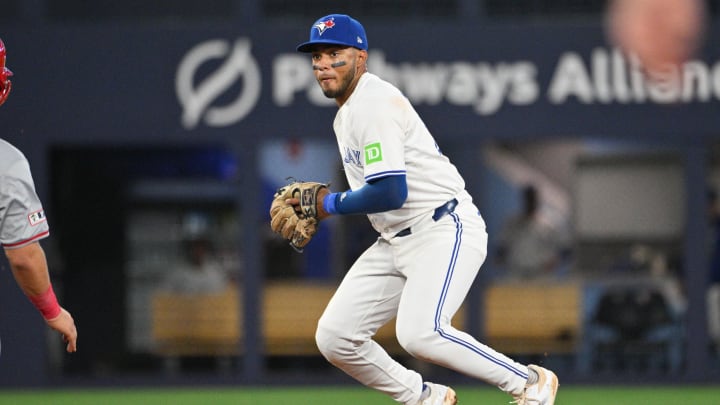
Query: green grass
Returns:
{"type": "Point", "coordinates": [571, 395]}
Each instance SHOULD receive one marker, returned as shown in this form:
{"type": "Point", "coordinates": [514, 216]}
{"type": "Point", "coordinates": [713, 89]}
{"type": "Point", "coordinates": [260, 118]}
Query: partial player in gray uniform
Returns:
{"type": "Point", "coordinates": [432, 239]}
{"type": "Point", "coordinates": [22, 225]}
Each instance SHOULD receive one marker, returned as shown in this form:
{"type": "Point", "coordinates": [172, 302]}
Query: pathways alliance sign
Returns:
{"type": "Point", "coordinates": [605, 76]}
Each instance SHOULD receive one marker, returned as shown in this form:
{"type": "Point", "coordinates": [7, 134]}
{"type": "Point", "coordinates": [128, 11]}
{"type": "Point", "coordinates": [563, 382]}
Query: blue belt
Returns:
{"type": "Point", "coordinates": [440, 212]}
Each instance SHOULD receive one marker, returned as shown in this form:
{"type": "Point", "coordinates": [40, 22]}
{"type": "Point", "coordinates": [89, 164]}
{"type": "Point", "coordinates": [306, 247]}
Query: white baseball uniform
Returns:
{"type": "Point", "coordinates": [22, 218]}
{"type": "Point", "coordinates": [421, 268]}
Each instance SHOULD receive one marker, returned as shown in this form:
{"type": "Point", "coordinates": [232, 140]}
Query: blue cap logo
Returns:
{"type": "Point", "coordinates": [324, 25]}
{"type": "Point", "coordinates": [336, 29]}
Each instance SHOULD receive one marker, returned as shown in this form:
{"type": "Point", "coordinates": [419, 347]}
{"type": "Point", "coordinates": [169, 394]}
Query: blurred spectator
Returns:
{"type": "Point", "coordinates": [529, 246]}
{"type": "Point", "coordinates": [661, 33]}
{"type": "Point", "coordinates": [199, 273]}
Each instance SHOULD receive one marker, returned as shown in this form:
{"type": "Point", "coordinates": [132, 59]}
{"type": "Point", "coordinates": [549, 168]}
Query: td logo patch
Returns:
{"type": "Point", "coordinates": [373, 153]}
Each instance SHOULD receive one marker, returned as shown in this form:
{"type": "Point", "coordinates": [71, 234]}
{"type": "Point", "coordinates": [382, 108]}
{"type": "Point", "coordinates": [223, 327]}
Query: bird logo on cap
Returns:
{"type": "Point", "coordinates": [324, 25]}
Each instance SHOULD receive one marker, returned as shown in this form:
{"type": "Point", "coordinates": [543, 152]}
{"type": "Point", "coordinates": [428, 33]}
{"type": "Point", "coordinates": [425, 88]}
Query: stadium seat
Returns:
{"type": "Point", "coordinates": [632, 326]}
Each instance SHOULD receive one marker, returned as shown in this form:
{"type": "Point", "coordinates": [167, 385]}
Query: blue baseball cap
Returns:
{"type": "Point", "coordinates": [336, 29]}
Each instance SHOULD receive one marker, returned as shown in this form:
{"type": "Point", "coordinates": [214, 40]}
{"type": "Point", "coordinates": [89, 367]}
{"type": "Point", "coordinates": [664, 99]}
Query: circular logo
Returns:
{"type": "Point", "coordinates": [197, 100]}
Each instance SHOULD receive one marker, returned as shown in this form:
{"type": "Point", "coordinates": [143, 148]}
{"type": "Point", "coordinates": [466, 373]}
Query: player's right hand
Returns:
{"type": "Point", "coordinates": [65, 324]}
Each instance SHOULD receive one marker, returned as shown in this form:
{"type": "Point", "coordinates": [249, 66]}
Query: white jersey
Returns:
{"type": "Point", "coordinates": [380, 134]}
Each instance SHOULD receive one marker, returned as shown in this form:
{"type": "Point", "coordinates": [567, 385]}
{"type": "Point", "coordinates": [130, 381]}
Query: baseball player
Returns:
{"type": "Point", "coordinates": [432, 239]}
{"type": "Point", "coordinates": [22, 225]}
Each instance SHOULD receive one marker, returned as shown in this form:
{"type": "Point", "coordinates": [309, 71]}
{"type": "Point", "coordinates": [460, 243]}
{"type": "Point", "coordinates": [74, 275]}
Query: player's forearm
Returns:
{"type": "Point", "coordinates": [385, 194]}
{"type": "Point", "coordinates": [29, 267]}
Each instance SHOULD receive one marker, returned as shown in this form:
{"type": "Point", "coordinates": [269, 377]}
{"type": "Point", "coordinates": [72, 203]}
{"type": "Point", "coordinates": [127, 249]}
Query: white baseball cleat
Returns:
{"type": "Point", "coordinates": [439, 395]}
{"type": "Point", "coordinates": [543, 392]}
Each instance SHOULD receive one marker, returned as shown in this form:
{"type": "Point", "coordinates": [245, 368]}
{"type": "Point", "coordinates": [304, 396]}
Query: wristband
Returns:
{"type": "Point", "coordinates": [47, 304]}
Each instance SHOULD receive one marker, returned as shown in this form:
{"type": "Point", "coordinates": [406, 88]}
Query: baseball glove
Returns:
{"type": "Point", "coordinates": [296, 220]}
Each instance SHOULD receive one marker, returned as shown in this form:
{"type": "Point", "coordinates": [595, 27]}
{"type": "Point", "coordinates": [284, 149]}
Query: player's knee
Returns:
{"type": "Point", "coordinates": [324, 339]}
{"type": "Point", "coordinates": [416, 342]}
{"type": "Point", "coordinates": [332, 345]}
{"type": "Point", "coordinates": [418, 347]}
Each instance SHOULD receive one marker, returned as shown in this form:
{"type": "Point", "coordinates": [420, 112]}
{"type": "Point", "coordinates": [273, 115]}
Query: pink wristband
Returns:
{"type": "Point", "coordinates": [47, 304]}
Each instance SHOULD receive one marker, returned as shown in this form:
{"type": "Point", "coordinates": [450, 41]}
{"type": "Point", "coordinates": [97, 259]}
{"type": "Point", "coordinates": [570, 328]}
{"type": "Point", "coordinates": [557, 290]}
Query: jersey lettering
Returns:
{"type": "Point", "coordinates": [352, 157]}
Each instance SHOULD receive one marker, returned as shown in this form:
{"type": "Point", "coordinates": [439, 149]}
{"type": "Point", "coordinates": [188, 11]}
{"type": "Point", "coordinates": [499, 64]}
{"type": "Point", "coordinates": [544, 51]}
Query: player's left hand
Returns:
{"type": "Point", "coordinates": [65, 324]}
{"type": "Point", "coordinates": [296, 210]}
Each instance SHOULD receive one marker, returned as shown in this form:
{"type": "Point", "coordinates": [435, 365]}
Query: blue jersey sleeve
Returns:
{"type": "Point", "coordinates": [383, 194]}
